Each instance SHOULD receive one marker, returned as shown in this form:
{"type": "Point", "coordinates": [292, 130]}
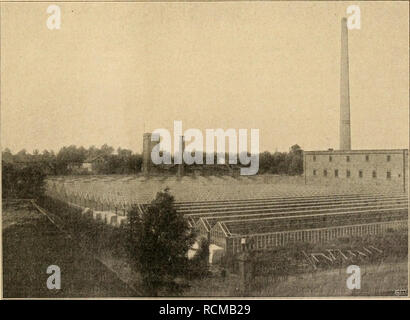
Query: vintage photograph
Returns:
{"type": "Point", "coordinates": [204, 149]}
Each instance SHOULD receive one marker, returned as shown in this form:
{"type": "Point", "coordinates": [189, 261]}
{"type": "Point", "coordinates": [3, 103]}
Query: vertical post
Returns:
{"type": "Point", "coordinates": [245, 272]}
{"type": "Point", "coordinates": [243, 244]}
{"type": "Point", "coordinates": [181, 168]}
{"type": "Point", "coordinates": [146, 153]}
{"type": "Point", "coordinates": [304, 165]}
{"type": "Point", "coordinates": [404, 170]}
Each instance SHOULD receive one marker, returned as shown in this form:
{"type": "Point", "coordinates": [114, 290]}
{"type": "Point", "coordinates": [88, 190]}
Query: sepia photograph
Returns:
{"type": "Point", "coordinates": [197, 150]}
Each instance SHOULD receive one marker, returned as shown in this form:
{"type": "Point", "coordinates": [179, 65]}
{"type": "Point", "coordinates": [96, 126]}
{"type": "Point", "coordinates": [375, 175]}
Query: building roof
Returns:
{"type": "Point", "coordinates": [363, 151]}
{"type": "Point", "coordinates": [90, 160]}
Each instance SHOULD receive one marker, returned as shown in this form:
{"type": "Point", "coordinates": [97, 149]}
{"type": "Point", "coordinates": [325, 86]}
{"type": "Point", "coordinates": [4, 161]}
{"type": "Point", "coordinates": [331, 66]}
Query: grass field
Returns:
{"type": "Point", "coordinates": [379, 279]}
{"type": "Point", "coordinates": [31, 243]}
{"type": "Point", "coordinates": [376, 280]}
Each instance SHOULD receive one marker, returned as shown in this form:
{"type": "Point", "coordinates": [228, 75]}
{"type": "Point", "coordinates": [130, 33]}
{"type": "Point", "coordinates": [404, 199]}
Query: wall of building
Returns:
{"type": "Point", "coordinates": [87, 166]}
{"type": "Point", "coordinates": [379, 167]}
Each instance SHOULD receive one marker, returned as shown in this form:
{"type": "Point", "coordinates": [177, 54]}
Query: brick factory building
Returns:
{"type": "Point", "coordinates": [387, 167]}
{"type": "Point", "coordinates": [373, 167]}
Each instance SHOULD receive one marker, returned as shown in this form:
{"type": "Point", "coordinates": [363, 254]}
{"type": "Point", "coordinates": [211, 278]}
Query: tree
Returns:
{"type": "Point", "coordinates": [22, 156]}
{"type": "Point", "coordinates": [159, 239]}
{"type": "Point", "coordinates": [106, 150]}
{"type": "Point", "coordinates": [135, 163]}
{"type": "Point", "coordinates": [295, 160]}
{"type": "Point", "coordinates": [8, 180]}
{"type": "Point", "coordinates": [69, 155]}
{"type": "Point", "coordinates": [22, 181]}
{"type": "Point", "coordinates": [266, 164]}
{"type": "Point", "coordinates": [7, 156]}
{"type": "Point", "coordinates": [280, 164]}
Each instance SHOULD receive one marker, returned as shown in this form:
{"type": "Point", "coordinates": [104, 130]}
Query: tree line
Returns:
{"type": "Point", "coordinates": [68, 160]}
{"type": "Point", "coordinates": [290, 163]}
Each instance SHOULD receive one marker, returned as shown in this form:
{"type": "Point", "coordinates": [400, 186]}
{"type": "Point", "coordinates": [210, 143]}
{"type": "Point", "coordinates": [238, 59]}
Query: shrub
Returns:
{"type": "Point", "coordinates": [158, 242]}
{"type": "Point", "coordinates": [22, 182]}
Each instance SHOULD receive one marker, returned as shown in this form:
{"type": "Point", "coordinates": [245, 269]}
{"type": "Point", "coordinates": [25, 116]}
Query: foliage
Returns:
{"type": "Point", "coordinates": [198, 265]}
{"type": "Point", "coordinates": [282, 162]}
{"type": "Point", "coordinates": [159, 239]}
{"type": "Point", "coordinates": [22, 181]}
{"type": "Point", "coordinates": [69, 160]}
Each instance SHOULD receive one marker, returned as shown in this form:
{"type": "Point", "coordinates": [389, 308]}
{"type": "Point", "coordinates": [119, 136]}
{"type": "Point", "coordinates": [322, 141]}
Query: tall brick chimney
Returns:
{"type": "Point", "coordinates": [146, 153]}
{"type": "Point", "coordinates": [345, 139]}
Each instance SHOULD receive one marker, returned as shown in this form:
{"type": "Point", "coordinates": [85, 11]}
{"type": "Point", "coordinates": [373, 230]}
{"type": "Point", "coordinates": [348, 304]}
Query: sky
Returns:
{"type": "Point", "coordinates": [116, 70]}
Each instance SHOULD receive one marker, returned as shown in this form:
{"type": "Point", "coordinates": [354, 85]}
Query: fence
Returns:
{"type": "Point", "coordinates": [271, 240]}
{"type": "Point", "coordinates": [114, 203]}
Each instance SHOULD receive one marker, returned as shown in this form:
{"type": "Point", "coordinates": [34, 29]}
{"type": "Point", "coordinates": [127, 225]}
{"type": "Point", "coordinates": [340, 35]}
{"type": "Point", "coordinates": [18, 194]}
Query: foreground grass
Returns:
{"type": "Point", "coordinates": [376, 280]}
{"type": "Point", "coordinates": [31, 243]}
{"type": "Point", "coordinates": [286, 272]}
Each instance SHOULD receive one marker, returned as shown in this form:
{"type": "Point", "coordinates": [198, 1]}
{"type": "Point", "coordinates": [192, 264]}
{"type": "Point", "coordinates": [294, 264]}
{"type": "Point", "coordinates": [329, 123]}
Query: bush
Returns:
{"type": "Point", "coordinates": [198, 265]}
{"type": "Point", "coordinates": [22, 182]}
{"type": "Point", "coordinates": [158, 242]}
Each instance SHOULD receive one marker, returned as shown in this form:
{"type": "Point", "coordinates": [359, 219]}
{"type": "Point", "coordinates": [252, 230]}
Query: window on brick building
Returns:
{"type": "Point", "coordinates": [347, 173]}
{"type": "Point", "coordinates": [388, 158]}
{"type": "Point", "coordinates": [347, 159]}
{"type": "Point", "coordinates": [330, 158]}
{"type": "Point", "coordinates": [374, 175]}
{"type": "Point", "coordinates": [325, 173]}
{"type": "Point", "coordinates": [314, 172]}
{"type": "Point", "coordinates": [314, 158]}
{"type": "Point", "coordinates": [367, 157]}
{"type": "Point", "coordinates": [360, 174]}
{"type": "Point", "coordinates": [336, 173]}
{"type": "Point", "coordinates": [388, 175]}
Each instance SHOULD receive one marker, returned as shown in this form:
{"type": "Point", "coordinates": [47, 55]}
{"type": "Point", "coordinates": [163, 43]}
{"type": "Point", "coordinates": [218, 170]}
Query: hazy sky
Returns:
{"type": "Point", "coordinates": [115, 70]}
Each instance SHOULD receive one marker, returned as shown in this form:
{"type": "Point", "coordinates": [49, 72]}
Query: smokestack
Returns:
{"type": "Point", "coordinates": [345, 140]}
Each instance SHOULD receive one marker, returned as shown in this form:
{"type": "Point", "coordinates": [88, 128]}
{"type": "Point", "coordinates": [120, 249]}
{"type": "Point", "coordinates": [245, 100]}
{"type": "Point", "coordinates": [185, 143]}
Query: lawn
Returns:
{"type": "Point", "coordinates": [31, 243]}
{"type": "Point", "coordinates": [286, 271]}
{"type": "Point", "coordinates": [377, 280]}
